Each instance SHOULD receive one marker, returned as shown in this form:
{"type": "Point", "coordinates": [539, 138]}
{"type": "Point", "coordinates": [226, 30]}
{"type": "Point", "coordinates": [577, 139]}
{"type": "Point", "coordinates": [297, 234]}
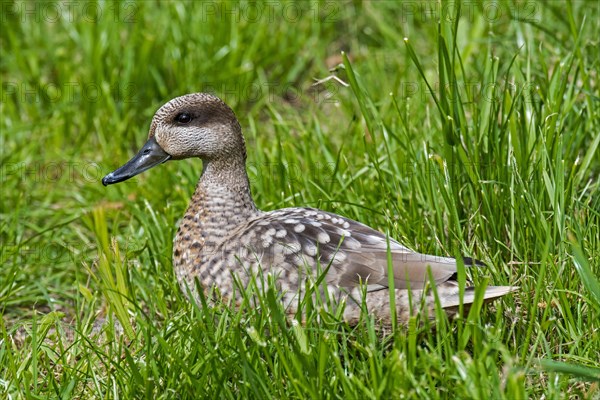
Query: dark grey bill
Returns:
{"type": "Point", "coordinates": [149, 156]}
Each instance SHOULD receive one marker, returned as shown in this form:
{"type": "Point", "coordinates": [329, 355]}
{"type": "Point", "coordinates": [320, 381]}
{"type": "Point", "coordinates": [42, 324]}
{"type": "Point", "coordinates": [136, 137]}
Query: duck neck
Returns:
{"type": "Point", "coordinates": [222, 199]}
{"type": "Point", "coordinates": [221, 203]}
{"type": "Point", "coordinates": [230, 174]}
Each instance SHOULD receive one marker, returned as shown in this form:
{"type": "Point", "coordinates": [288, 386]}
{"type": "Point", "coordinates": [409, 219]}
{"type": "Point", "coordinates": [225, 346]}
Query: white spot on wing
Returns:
{"type": "Point", "coordinates": [291, 248]}
{"type": "Point", "coordinates": [339, 257]}
{"type": "Point", "coordinates": [323, 237]}
{"type": "Point", "coordinates": [247, 238]}
{"type": "Point", "coordinates": [281, 233]}
{"type": "Point", "coordinates": [310, 249]}
{"type": "Point", "coordinates": [345, 233]}
{"type": "Point", "coordinates": [299, 228]}
{"type": "Point", "coordinates": [351, 243]}
{"type": "Point", "coordinates": [267, 237]}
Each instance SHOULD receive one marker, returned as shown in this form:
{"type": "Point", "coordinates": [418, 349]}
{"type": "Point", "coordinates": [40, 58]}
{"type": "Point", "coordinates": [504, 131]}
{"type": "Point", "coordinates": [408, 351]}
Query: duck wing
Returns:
{"type": "Point", "coordinates": [351, 252]}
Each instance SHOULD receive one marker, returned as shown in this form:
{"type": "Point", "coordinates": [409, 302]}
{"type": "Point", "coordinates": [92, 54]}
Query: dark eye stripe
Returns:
{"type": "Point", "coordinates": [183, 118]}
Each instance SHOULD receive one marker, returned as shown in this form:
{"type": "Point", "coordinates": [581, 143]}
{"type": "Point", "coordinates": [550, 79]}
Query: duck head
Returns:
{"type": "Point", "coordinates": [194, 125]}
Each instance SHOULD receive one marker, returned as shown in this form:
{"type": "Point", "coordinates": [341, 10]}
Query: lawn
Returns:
{"type": "Point", "coordinates": [457, 128]}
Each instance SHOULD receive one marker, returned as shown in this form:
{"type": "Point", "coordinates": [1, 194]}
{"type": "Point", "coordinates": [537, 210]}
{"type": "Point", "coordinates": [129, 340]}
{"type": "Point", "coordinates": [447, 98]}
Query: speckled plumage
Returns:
{"type": "Point", "coordinates": [223, 233]}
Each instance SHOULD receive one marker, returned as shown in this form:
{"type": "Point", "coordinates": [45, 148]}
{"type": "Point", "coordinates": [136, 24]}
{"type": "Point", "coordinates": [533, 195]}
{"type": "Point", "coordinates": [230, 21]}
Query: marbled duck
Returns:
{"type": "Point", "coordinates": [223, 232]}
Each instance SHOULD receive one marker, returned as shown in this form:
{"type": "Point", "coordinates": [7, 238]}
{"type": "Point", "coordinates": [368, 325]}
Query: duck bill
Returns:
{"type": "Point", "coordinates": [149, 156]}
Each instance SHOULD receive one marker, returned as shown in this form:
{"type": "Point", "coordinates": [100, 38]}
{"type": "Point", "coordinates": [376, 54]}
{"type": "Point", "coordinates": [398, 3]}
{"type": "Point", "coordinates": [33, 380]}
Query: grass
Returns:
{"type": "Point", "coordinates": [477, 135]}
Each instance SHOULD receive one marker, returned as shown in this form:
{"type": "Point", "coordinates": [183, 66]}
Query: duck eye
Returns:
{"type": "Point", "coordinates": [183, 118]}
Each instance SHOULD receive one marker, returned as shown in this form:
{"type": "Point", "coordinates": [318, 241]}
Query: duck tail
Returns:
{"type": "Point", "coordinates": [452, 302]}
